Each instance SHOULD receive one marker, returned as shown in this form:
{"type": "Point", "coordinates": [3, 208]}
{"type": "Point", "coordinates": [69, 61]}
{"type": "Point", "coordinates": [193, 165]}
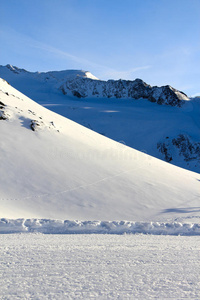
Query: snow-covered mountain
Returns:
{"type": "Point", "coordinates": [83, 84]}
{"type": "Point", "coordinates": [40, 83]}
{"type": "Point", "coordinates": [170, 132]}
{"type": "Point", "coordinates": [54, 75]}
{"type": "Point", "coordinates": [52, 167]}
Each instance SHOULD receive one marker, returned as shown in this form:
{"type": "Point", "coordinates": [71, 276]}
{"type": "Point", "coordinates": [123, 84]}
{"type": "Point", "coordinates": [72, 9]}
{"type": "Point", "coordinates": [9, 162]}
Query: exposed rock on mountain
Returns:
{"type": "Point", "coordinates": [137, 89]}
{"type": "Point", "coordinates": [182, 147]}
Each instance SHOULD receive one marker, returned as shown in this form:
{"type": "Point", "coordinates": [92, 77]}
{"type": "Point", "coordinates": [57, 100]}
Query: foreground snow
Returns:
{"type": "Point", "coordinates": [37, 266]}
{"type": "Point", "coordinates": [88, 227]}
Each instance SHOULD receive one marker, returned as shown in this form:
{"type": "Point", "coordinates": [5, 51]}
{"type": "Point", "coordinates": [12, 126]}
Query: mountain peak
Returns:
{"type": "Point", "coordinates": [63, 74]}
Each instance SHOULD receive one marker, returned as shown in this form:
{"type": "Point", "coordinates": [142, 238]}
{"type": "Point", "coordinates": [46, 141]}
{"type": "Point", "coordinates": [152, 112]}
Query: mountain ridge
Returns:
{"type": "Point", "coordinates": [83, 84]}
{"type": "Point", "coordinates": [63, 73]}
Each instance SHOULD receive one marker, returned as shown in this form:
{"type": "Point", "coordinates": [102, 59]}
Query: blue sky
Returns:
{"type": "Point", "coordinates": [155, 40]}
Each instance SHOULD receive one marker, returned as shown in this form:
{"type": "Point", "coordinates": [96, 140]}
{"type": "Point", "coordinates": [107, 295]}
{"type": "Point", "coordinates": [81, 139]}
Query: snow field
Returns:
{"type": "Point", "coordinates": [36, 266]}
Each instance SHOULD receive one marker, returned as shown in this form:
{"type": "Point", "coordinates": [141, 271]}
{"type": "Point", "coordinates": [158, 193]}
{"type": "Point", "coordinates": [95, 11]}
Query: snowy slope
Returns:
{"type": "Point", "coordinates": [54, 168]}
{"type": "Point", "coordinates": [168, 132]}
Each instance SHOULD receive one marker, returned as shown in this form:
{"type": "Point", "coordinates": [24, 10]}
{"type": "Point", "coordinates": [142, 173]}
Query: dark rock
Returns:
{"type": "Point", "coordinates": [77, 94]}
{"type": "Point", "coordinates": [183, 146]}
{"type": "Point", "coordinates": [164, 150]}
{"type": "Point", "coordinates": [3, 116]}
{"type": "Point", "coordinates": [136, 89]}
{"type": "Point", "coordinates": [34, 124]}
{"type": "Point", "coordinates": [188, 149]}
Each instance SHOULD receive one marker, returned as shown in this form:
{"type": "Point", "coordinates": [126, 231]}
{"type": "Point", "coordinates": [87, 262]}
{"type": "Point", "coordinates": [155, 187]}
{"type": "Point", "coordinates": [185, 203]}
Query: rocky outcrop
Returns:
{"type": "Point", "coordinates": [3, 115]}
{"type": "Point", "coordinates": [188, 149]}
{"type": "Point", "coordinates": [16, 70]}
{"type": "Point", "coordinates": [137, 89]}
{"type": "Point", "coordinates": [37, 125]}
{"type": "Point", "coordinates": [179, 148]}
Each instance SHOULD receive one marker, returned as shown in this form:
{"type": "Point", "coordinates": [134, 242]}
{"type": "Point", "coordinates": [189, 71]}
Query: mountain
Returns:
{"type": "Point", "coordinates": [83, 84]}
{"type": "Point", "coordinates": [170, 132]}
{"type": "Point", "coordinates": [52, 167]}
{"type": "Point", "coordinates": [85, 87]}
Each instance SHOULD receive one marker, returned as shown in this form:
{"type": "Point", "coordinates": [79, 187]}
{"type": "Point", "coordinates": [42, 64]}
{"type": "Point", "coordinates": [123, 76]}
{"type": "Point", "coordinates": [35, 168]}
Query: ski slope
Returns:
{"type": "Point", "coordinates": [62, 170]}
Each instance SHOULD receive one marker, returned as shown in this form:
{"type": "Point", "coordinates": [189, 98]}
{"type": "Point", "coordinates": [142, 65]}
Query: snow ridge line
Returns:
{"type": "Point", "coordinates": [50, 226]}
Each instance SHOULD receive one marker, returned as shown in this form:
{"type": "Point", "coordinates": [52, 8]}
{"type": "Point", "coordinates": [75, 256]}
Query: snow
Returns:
{"type": "Point", "coordinates": [181, 96]}
{"type": "Point", "coordinates": [55, 75]}
{"type": "Point", "coordinates": [98, 227]}
{"type": "Point", "coordinates": [36, 266]}
{"type": "Point", "coordinates": [90, 75]}
{"type": "Point", "coordinates": [63, 170]}
{"type": "Point", "coordinates": [57, 176]}
{"type": "Point", "coordinates": [140, 124]}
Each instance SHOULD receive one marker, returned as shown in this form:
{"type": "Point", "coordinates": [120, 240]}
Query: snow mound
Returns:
{"type": "Point", "coordinates": [49, 226]}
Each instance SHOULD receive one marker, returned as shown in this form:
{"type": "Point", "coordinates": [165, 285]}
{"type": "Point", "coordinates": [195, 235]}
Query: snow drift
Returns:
{"type": "Point", "coordinates": [100, 227]}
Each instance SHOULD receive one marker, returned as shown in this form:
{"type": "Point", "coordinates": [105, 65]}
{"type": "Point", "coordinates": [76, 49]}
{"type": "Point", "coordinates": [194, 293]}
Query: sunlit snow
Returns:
{"type": "Point", "coordinates": [54, 168]}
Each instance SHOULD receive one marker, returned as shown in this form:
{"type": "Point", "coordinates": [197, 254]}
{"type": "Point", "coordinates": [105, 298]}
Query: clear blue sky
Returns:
{"type": "Point", "coordinates": [155, 40]}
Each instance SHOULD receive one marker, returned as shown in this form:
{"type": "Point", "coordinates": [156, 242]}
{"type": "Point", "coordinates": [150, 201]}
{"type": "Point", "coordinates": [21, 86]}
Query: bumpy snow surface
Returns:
{"type": "Point", "coordinates": [36, 266]}
{"type": "Point", "coordinates": [54, 168]}
{"type": "Point", "coordinates": [88, 227]}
